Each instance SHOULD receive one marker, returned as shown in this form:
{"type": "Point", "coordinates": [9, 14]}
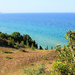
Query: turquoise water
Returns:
{"type": "Point", "coordinates": [45, 28]}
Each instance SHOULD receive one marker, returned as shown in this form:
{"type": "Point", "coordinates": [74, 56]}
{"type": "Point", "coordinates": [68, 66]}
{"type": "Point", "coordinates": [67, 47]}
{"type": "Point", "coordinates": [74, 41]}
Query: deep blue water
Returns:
{"type": "Point", "coordinates": [45, 28]}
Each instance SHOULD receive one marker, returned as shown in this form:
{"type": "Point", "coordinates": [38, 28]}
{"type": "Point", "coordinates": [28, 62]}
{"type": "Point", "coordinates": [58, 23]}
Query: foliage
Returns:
{"type": "Point", "coordinates": [2, 35]}
{"type": "Point", "coordinates": [40, 70]}
{"type": "Point", "coordinates": [44, 57]}
{"type": "Point", "coordinates": [8, 52]}
{"type": "Point", "coordinates": [65, 62]}
{"type": "Point", "coordinates": [70, 36]}
{"type": "Point", "coordinates": [22, 44]}
{"type": "Point", "coordinates": [11, 42]}
{"type": "Point", "coordinates": [3, 42]}
{"type": "Point", "coordinates": [51, 47]}
{"type": "Point", "coordinates": [16, 36]}
{"type": "Point", "coordinates": [17, 44]}
{"type": "Point", "coordinates": [46, 48]}
{"type": "Point", "coordinates": [27, 43]}
{"type": "Point", "coordinates": [40, 47]}
{"type": "Point", "coordinates": [58, 48]}
{"type": "Point", "coordinates": [32, 64]}
{"type": "Point", "coordinates": [32, 47]}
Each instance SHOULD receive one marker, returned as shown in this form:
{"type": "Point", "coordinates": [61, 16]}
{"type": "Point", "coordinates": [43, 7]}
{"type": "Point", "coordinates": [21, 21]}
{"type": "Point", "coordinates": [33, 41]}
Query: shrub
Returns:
{"type": "Point", "coordinates": [58, 48]}
{"type": "Point", "coordinates": [65, 62]}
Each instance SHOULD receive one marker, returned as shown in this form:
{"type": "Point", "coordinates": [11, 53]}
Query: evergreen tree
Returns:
{"type": "Point", "coordinates": [27, 43]}
{"type": "Point", "coordinates": [51, 47]}
{"type": "Point", "coordinates": [22, 44]}
{"type": "Point", "coordinates": [40, 48]}
{"type": "Point", "coordinates": [17, 44]}
{"type": "Point", "coordinates": [11, 42]}
{"type": "Point", "coordinates": [32, 47]}
{"type": "Point", "coordinates": [46, 48]}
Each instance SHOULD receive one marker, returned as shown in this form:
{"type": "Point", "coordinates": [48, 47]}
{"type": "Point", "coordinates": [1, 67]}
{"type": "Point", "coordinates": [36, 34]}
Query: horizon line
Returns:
{"type": "Point", "coordinates": [34, 12]}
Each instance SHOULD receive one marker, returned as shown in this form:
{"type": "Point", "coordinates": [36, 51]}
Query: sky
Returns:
{"type": "Point", "coordinates": [36, 6]}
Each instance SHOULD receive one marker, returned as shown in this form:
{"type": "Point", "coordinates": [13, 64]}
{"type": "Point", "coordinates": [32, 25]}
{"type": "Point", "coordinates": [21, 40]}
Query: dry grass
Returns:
{"type": "Point", "coordinates": [11, 64]}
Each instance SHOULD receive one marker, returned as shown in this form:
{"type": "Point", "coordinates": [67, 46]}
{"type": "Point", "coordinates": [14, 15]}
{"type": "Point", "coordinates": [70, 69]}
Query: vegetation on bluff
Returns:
{"type": "Point", "coordinates": [16, 39]}
{"type": "Point", "coordinates": [65, 62]}
{"type": "Point", "coordinates": [63, 65]}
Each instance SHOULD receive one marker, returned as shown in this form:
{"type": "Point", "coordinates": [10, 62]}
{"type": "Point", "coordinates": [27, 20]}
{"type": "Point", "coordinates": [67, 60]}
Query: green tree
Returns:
{"type": "Point", "coordinates": [22, 44]}
{"type": "Point", "coordinates": [51, 47]}
{"type": "Point", "coordinates": [26, 37]}
{"type": "Point", "coordinates": [46, 48]}
{"type": "Point", "coordinates": [32, 47]}
{"type": "Point", "coordinates": [40, 47]}
{"type": "Point", "coordinates": [17, 44]}
{"type": "Point", "coordinates": [27, 43]}
{"type": "Point", "coordinates": [17, 36]}
{"type": "Point", "coordinates": [11, 42]}
{"type": "Point", "coordinates": [2, 35]}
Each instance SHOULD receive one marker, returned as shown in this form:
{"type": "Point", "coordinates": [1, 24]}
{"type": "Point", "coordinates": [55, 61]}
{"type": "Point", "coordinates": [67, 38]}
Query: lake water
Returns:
{"type": "Point", "coordinates": [45, 28]}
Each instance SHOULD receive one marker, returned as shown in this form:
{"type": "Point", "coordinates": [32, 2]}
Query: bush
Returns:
{"type": "Point", "coordinates": [65, 62]}
{"type": "Point", "coordinates": [17, 36]}
{"type": "Point", "coordinates": [58, 48]}
{"type": "Point", "coordinates": [61, 67]}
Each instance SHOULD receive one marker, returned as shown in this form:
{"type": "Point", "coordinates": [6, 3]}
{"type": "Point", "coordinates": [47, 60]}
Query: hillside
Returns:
{"type": "Point", "coordinates": [13, 60]}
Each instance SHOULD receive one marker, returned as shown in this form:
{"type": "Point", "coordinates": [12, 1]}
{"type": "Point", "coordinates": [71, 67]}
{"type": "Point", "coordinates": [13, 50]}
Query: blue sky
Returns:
{"type": "Point", "coordinates": [30, 6]}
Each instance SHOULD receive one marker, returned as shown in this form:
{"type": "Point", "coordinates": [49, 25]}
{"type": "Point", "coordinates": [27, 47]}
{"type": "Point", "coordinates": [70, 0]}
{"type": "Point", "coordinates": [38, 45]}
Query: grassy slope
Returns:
{"type": "Point", "coordinates": [11, 64]}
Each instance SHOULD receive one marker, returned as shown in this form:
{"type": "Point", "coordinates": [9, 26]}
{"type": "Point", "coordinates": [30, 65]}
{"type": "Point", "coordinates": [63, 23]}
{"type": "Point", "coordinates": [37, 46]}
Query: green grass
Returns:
{"type": "Point", "coordinates": [32, 64]}
{"type": "Point", "coordinates": [8, 52]}
{"type": "Point", "coordinates": [44, 58]}
{"type": "Point", "coordinates": [39, 70]}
